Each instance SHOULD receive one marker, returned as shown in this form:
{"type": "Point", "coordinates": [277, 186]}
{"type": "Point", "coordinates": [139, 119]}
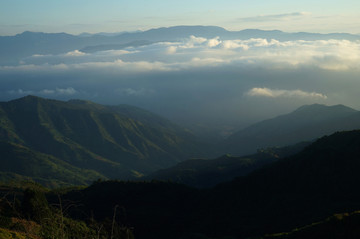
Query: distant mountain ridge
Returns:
{"type": "Point", "coordinates": [115, 141]}
{"type": "Point", "coordinates": [14, 48]}
{"type": "Point", "coordinates": [306, 123]}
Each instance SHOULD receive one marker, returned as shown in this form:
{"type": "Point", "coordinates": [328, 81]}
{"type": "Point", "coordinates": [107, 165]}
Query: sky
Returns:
{"type": "Point", "coordinates": [206, 84]}
{"type": "Point", "coordinates": [94, 16]}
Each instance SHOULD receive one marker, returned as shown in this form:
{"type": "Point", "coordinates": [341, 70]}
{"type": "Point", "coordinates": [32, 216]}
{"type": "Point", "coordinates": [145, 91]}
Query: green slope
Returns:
{"type": "Point", "coordinates": [117, 141]}
{"type": "Point", "coordinates": [18, 162]}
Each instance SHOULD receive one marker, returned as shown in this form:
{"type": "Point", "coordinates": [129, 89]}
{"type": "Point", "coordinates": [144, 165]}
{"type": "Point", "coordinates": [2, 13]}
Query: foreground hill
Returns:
{"type": "Point", "coordinates": [115, 141]}
{"type": "Point", "coordinates": [307, 187]}
{"type": "Point", "coordinates": [293, 192]}
{"type": "Point", "coordinates": [306, 123]}
{"type": "Point", "coordinates": [341, 225]}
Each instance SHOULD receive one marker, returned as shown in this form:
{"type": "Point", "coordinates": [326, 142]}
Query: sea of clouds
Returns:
{"type": "Point", "coordinates": [197, 80]}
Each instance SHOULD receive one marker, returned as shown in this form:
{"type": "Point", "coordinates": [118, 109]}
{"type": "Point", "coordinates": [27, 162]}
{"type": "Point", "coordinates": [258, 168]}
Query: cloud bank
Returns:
{"type": "Point", "coordinates": [45, 92]}
{"type": "Point", "coordinates": [197, 52]}
{"type": "Point", "coordinates": [213, 82]}
{"type": "Point", "coordinates": [266, 92]}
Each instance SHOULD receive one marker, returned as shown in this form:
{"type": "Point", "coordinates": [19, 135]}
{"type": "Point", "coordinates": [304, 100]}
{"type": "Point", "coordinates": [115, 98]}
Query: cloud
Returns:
{"type": "Point", "coordinates": [59, 91]}
{"type": "Point", "coordinates": [193, 40]}
{"type": "Point", "coordinates": [171, 50]}
{"type": "Point", "coordinates": [48, 92]}
{"type": "Point", "coordinates": [198, 52]}
{"type": "Point", "coordinates": [75, 53]}
{"type": "Point", "coordinates": [20, 92]}
{"type": "Point", "coordinates": [271, 93]}
{"type": "Point", "coordinates": [214, 42]}
{"type": "Point", "coordinates": [275, 17]}
{"type": "Point", "coordinates": [134, 92]}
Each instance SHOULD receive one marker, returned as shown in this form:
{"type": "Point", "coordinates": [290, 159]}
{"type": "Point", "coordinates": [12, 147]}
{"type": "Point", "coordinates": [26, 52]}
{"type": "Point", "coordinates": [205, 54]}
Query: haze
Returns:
{"type": "Point", "coordinates": [205, 83]}
{"type": "Point", "coordinates": [94, 16]}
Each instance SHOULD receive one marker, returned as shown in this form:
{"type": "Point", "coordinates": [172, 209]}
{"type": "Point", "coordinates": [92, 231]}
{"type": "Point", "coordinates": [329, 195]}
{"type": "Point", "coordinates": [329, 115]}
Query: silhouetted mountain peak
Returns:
{"type": "Point", "coordinates": [33, 99]}
{"type": "Point", "coordinates": [30, 34]}
{"type": "Point", "coordinates": [188, 27]}
{"type": "Point", "coordinates": [321, 112]}
{"type": "Point", "coordinates": [316, 107]}
{"type": "Point", "coordinates": [260, 31]}
{"type": "Point", "coordinates": [305, 123]}
{"type": "Point", "coordinates": [28, 98]}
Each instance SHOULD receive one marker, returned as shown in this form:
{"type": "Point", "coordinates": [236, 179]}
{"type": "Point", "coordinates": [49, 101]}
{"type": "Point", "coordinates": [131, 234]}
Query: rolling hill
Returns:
{"type": "Point", "coordinates": [20, 163]}
{"type": "Point", "coordinates": [115, 141]}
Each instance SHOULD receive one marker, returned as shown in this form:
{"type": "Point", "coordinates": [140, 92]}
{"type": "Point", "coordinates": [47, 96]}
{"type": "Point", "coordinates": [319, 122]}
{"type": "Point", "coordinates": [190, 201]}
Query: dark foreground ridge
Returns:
{"type": "Point", "coordinates": [308, 195]}
{"type": "Point", "coordinates": [293, 192]}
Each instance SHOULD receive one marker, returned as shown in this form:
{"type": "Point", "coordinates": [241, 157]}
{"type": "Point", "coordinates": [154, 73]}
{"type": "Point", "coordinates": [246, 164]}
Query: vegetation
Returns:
{"type": "Point", "coordinates": [26, 213]}
{"type": "Point", "coordinates": [343, 225]}
{"type": "Point", "coordinates": [80, 141]}
{"type": "Point", "coordinates": [307, 186]}
{"type": "Point", "coordinates": [290, 193]}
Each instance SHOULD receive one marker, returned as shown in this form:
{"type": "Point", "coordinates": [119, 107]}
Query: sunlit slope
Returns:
{"type": "Point", "coordinates": [116, 141]}
{"type": "Point", "coordinates": [20, 163]}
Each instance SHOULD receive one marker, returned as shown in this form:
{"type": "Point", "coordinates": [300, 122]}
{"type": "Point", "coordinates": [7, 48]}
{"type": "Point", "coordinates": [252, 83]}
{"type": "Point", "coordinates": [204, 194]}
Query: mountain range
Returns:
{"type": "Point", "coordinates": [77, 142]}
{"type": "Point", "coordinates": [306, 123]}
{"type": "Point", "coordinates": [311, 186]}
{"type": "Point", "coordinates": [86, 141]}
{"type": "Point", "coordinates": [262, 143]}
{"type": "Point", "coordinates": [14, 48]}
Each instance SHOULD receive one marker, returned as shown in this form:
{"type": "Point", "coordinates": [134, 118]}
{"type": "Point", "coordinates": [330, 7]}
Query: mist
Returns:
{"type": "Point", "coordinates": [211, 85]}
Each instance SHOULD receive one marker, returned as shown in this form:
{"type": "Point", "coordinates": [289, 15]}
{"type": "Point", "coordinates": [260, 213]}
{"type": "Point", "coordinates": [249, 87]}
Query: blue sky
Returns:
{"type": "Point", "coordinates": [118, 15]}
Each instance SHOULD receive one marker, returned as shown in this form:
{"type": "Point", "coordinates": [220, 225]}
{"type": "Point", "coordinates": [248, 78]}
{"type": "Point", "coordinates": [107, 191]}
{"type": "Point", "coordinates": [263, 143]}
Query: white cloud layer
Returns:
{"type": "Point", "coordinates": [45, 92]}
{"type": "Point", "coordinates": [275, 93]}
{"type": "Point", "coordinates": [336, 55]}
{"type": "Point", "coordinates": [197, 79]}
{"type": "Point", "coordinates": [195, 52]}
{"type": "Point", "coordinates": [134, 92]}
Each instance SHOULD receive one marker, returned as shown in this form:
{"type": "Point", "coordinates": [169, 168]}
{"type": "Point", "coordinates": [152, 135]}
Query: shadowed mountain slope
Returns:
{"type": "Point", "coordinates": [202, 173]}
{"type": "Point", "coordinates": [340, 225]}
{"type": "Point", "coordinates": [293, 192]}
{"type": "Point", "coordinates": [304, 124]}
{"type": "Point", "coordinates": [307, 187]}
